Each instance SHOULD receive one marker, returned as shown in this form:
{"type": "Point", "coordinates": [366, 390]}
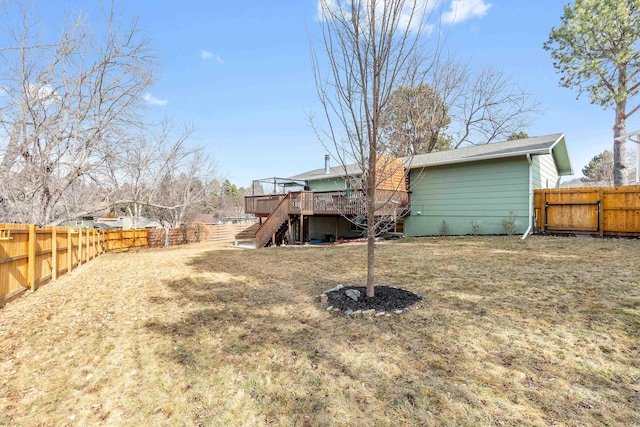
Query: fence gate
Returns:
{"type": "Point", "coordinates": [573, 216]}
{"type": "Point", "coordinates": [591, 210]}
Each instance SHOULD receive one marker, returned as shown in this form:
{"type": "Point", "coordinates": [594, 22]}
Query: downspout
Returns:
{"type": "Point", "coordinates": [526, 233]}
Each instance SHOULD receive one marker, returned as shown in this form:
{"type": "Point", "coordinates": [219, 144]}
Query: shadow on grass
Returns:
{"type": "Point", "coordinates": [491, 344]}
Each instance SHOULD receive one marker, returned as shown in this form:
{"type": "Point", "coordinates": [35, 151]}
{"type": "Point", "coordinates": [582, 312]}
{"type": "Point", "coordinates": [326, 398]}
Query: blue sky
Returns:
{"type": "Point", "coordinates": [241, 73]}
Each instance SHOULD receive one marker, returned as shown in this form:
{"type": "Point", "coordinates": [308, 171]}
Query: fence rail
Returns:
{"type": "Point", "coordinates": [31, 256]}
{"type": "Point", "coordinates": [611, 211]}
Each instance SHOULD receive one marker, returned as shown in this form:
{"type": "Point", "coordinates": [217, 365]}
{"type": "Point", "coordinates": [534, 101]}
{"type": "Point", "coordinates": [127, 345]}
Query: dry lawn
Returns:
{"type": "Point", "coordinates": [538, 332]}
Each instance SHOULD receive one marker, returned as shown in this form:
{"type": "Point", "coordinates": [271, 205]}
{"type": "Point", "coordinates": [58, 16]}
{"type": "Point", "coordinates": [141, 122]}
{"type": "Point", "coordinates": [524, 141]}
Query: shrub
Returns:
{"type": "Point", "coordinates": [509, 224]}
{"type": "Point", "coordinates": [444, 228]}
{"type": "Point", "coordinates": [475, 228]}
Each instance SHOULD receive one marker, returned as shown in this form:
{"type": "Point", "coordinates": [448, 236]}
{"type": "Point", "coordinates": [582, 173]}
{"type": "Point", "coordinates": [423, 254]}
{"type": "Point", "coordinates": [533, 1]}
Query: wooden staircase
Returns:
{"type": "Point", "coordinates": [275, 225]}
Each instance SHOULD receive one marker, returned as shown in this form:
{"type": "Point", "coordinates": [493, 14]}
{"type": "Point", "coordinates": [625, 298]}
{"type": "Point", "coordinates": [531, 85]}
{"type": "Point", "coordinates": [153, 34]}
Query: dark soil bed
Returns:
{"type": "Point", "coordinates": [386, 299]}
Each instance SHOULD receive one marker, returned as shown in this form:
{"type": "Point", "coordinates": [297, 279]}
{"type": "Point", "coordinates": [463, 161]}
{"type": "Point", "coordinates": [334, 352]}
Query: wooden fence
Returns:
{"type": "Point", "coordinates": [222, 233]}
{"type": "Point", "coordinates": [612, 211]}
{"type": "Point", "coordinates": [232, 232]}
{"type": "Point", "coordinates": [31, 256]}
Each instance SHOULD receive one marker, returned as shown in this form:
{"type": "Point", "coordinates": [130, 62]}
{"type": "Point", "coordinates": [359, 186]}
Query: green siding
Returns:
{"type": "Point", "coordinates": [544, 173]}
{"type": "Point", "coordinates": [330, 184]}
{"type": "Point", "coordinates": [485, 192]}
{"type": "Point", "coordinates": [320, 226]}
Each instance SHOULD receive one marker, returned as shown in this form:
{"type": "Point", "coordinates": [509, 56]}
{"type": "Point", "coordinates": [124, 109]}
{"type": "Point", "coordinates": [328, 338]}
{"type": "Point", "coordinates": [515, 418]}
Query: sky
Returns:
{"type": "Point", "coordinates": [240, 72]}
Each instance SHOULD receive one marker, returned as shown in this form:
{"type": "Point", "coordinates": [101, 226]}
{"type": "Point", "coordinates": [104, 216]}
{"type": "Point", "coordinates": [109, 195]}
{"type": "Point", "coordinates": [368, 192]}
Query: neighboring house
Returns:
{"type": "Point", "coordinates": [82, 222]}
{"type": "Point", "coordinates": [210, 219]}
{"type": "Point", "coordinates": [125, 223]}
{"type": "Point", "coordinates": [482, 185]}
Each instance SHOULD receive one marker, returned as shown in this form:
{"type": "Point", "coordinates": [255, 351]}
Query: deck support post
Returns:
{"type": "Point", "coordinates": [301, 228]}
{"type": "Point", "coordinates": [337, 227]}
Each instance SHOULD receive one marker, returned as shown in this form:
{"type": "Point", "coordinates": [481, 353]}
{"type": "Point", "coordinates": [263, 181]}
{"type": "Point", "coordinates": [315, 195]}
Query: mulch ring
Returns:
{"type": "Point", "coordinates": [387, 300]}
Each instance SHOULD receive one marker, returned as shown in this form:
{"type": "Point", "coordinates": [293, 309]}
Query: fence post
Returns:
{"type": "Point", "coordinates": [79, 246]}
{"type": "Point", "coordinates": [543, 211]}
{"type": "Point", "coordinates": [54, 253]}
{"type": "Point", "coordinates": [31, 260]}
{"type": "Point", "coordinates": [601, 211]}
{"type": "Point", "coordinates": [69, 250]}
{"type": "Point", "coordinates": [88, 245]}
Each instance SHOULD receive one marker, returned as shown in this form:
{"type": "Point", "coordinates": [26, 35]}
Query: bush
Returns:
{"type": "Point", "coordinates": [475, 228]}
{"type": "Point", "coordinates": [444, 228]}
{"type": "Point", "coordinates": [509, 224]}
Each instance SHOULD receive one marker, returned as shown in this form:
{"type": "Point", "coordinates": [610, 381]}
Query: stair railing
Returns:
{"type": "Point", "coordinates": [273, 222]}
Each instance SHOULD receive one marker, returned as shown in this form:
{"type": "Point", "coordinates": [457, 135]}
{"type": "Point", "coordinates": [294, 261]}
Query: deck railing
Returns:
{"type": "Point", "coordinates": [348, 202]}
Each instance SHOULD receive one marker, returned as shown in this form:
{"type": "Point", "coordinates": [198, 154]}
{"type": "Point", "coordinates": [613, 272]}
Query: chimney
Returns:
{"type": "Point", "coordinates": [327, 169]}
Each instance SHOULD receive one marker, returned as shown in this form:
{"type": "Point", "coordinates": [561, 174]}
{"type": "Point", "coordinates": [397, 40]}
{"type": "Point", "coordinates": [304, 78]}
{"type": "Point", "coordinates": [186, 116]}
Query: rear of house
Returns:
{"type": "Point", "coordinates": [483, 189]}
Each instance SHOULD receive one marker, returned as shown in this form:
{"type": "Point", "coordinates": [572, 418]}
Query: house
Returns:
{"type": "Point", "coordinates": [323, 204]}
{"type": "Point", "coordinates": [126, 223]}
{"type": "Point", "coordinates": [473, 190]}
{"type": "Point", "coordinates": [484, 185]}
{"type": "Point", "coordinates": [86, 221]}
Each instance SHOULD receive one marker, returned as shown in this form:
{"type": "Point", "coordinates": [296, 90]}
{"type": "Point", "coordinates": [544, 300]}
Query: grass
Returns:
{"type": "Point", "coordinates": [539, 332]}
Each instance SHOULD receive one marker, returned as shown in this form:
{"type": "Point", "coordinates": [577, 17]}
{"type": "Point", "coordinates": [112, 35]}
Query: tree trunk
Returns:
{"type": "Point", "coordinates": [619, 149]}
{"type": "Point", "coordinates": [371, 239]}
{"type": "Point", "coordinates": [371, 222]}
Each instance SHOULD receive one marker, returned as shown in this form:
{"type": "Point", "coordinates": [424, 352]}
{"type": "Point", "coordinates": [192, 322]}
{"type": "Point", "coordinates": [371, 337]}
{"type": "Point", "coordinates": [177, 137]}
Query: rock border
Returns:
{"type": "Point", "coordinates": [371, 313]}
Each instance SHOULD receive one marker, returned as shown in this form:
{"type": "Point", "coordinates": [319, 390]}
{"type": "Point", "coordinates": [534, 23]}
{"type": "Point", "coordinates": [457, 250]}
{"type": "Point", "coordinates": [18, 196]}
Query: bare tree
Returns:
{"type": "Point", "coordinates": [157, 174]}
{"type": "Point", "coordinates": [484, 104]}
{"type": "Point", "coordinates": [64, 105]}
{"type": "Point", "coordinates": [456, 105]}
{"type": "Point", "coordinates": [371, 48]}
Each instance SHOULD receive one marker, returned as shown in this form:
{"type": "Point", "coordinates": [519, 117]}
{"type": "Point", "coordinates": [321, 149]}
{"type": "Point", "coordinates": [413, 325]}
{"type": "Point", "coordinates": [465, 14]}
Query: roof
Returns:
{"type": "Point", "coordinates": [334, 172]}
{"type": "Point", "coordinates": [553, 144]}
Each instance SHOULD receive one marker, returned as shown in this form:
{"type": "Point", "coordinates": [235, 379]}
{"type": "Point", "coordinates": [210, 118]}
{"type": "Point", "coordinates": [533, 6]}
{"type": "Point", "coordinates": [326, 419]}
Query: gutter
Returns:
{"type": "Point", "coordinates": [526, 233]}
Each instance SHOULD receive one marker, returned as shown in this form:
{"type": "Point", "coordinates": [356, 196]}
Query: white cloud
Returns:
{"type": "Point", "coordinates": [154, 101]}
{"type": "Point", "coordinates": [342, 7]}
{"type": "Point", "coordinates": [461, 10]}
{"type": "Point", "coordinates": [43, 93]}
{"type": "Point", "coordinates": [206, 54]}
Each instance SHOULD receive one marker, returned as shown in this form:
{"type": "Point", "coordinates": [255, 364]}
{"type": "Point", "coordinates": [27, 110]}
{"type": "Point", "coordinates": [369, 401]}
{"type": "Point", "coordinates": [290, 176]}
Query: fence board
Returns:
{"type": "Point", "coordinates": [613, 211]}
{"type": "Point", "coordinates": [232, 232]}
{"type": "Point", "coordinates": [32, 256]}
{"type": "Point", "coordinates": [211, 232]}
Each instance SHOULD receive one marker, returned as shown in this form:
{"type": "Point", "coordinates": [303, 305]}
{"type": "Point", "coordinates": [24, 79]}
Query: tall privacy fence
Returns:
{"type": "Point", "coordinates": [31, 256]}
{"type": "Point", "coordinates": [200, 232]}
{"type": "Point", "coordinates": [603, 211]}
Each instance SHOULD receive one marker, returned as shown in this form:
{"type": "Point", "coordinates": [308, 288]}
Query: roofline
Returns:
{"type": "Point", "coordinates": [491, 156]}
{"type": "Point", "coordinates": [408, 165]}
{"type": "Point", "coordinates": [565, 148]}
{"type": "Point", "coordinates": [327, 176]}
{"type": "Point", "coordinates": [478, 158]}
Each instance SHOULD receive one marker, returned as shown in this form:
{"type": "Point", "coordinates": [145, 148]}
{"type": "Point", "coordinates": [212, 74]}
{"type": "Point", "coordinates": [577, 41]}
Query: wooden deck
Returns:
{"type": "Point", "coordinates": [328, 203]}
{"type": "Point", "coordinates": [280, 209]}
